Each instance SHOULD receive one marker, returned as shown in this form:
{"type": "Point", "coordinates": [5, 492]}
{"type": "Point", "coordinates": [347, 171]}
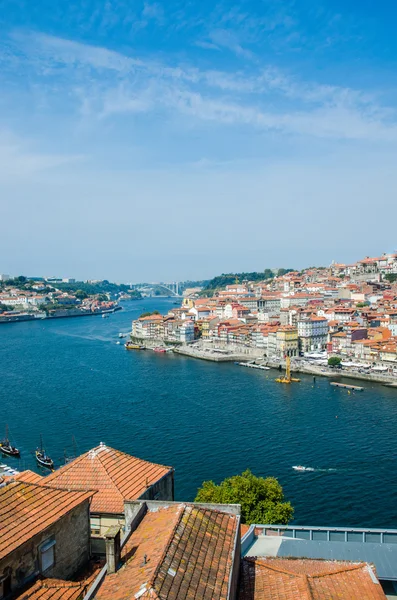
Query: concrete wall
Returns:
{"type": "Point", "coordinates": [72, 549]}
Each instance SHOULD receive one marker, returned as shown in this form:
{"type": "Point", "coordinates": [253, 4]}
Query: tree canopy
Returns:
{"type": "Point", "coordinates": [262, 500]}
{"type": "Point", "coordinates": [391, 277]}
{"type": "Point", "coordinates": [334, 361]}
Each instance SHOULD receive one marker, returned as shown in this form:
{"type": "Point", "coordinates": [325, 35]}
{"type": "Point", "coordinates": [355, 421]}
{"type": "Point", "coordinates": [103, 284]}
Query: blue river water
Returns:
{"type": "Point", "coordinates": [69, 377]}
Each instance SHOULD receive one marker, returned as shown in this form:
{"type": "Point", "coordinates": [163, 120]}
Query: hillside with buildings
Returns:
{"type": "Point", "coordinates": [345, 310]}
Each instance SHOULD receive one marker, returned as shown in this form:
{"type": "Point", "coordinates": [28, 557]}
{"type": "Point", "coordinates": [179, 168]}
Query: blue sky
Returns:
{"type": "Point", "coordinates": [175, 140]}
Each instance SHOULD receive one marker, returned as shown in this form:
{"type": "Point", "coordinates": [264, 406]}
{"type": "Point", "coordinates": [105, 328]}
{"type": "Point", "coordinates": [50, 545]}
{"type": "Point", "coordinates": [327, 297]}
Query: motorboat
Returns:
{"type": "Point", "coordinates": [300, 468]}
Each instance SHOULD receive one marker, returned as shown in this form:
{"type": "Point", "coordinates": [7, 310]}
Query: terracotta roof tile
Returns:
{"type": "Point", "coordinates": [26, 476]}
{"type": "Point", "coordinates": [53, 589]}
{"type": "Point", "coordinates": [115, 475]}
{"type": "Point", "coordinates": [290, 579]}
{"type": "Point", "coordinates": [27, 509]}
{"type": "Point", "coordinates": [188, 556]}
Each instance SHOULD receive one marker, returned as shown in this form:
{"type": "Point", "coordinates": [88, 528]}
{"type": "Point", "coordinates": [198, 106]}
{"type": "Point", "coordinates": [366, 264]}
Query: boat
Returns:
{"type": "Point", "coordinates": [159, 349]}
{"type": "Point", "coordinates": [105, 316]}
{"type": "Point", "coordinates": [132, 346]}
{"type": "Point", "coordinates": [42, 458]}
{"type": "Point", "coordinates": [300, 468]}
{"type": "Point", "coordinates": [7, 448]}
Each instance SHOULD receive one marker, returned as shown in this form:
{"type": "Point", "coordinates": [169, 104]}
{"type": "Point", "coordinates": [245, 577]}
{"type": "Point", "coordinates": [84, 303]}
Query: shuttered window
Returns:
{"type": "Point", "coordinates": [47, 555]}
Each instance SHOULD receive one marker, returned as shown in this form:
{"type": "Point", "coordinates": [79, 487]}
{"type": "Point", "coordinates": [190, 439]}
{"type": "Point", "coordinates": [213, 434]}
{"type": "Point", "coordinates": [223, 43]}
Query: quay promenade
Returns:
{"type": "Point", "coordinates": [239, 353]}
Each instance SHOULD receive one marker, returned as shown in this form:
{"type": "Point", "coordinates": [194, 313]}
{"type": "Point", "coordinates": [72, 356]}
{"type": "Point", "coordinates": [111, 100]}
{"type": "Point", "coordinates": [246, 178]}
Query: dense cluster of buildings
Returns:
{"type": "Point", "coordinates": [106, 526]}
{"type": "Point", "coordinates": [344, 310]}
{"type": "Point", "coordinates": [39, 299]}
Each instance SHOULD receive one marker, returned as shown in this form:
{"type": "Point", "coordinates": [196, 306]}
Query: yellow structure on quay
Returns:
{"type": "Point", "coordinates": [287, 377]}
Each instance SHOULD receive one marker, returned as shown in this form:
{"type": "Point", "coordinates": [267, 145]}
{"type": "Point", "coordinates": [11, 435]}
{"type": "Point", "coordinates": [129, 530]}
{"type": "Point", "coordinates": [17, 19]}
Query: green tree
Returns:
{"type": "Point", "coordinates": [391, 277]}
{"type": "Point", "coordinates": [334, 361]}
{"type": "Point", "coordinates": [80, 294]}
{"type": "Point", "coordinates": [262, 500]}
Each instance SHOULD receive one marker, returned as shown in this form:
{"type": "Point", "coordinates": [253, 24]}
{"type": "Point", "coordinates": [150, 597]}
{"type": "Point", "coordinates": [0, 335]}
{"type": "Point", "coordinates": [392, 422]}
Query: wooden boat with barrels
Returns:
{"type": "Point", "coordinates": [7, 448]}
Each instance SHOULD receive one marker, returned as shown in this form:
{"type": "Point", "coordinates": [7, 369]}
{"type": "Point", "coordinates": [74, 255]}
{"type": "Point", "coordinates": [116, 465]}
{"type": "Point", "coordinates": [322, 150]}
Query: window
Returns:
{"type": "Point", "coordinates": [47, 555]}
{"type": "Point", "coordinates": [95, 525]}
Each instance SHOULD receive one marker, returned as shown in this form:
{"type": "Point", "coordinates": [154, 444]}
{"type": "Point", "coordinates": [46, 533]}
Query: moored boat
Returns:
{"type": "Point", "coordinates": [159, 349]}
{"type": "Point", "coordinates": [7, 448]}
{"type": "Point", "coordinates": [42, 458]}
{"type": "Point", "coordinates": [132, 346]}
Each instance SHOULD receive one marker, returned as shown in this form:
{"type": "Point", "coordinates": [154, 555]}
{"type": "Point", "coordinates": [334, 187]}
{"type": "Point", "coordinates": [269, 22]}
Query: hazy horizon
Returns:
{"type": "Point", "coordinates": [148, 141]}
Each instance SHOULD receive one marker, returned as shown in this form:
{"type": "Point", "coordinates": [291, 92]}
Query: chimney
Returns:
{"type": "Point", "coordinates": [113, 550]}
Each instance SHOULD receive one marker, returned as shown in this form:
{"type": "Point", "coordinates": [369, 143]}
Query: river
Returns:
{"type": "Point", "coordinates": [69, 377]}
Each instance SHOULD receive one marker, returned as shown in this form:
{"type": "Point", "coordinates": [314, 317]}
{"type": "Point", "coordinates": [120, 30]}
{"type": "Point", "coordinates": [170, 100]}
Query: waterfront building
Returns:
{"type": "Point", "coordinates": [115, 476]}
{"type": "Point", "coordinates": [287, 341]}
{"type": "Point", "coordinates": [44, 532]}
{"type": "Point", "coordinates": [313, 333]}
{"type": "Point", "coordinates": [148, 327]}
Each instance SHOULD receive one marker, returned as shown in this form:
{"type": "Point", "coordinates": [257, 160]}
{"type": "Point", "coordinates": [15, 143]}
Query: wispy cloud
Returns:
{"type": "Point", "coordinates": [264, 97]}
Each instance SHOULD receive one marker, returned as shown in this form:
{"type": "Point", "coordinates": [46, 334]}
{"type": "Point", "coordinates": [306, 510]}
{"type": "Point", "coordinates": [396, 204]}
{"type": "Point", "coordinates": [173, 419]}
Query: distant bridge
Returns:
{"type": "Point", "coordinates": [172, 288]}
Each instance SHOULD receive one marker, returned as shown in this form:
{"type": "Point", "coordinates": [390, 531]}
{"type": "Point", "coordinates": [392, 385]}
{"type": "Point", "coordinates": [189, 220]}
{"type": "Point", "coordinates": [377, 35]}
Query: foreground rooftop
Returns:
{"type": "Point", "coordinates": [115, 475]}
{"type": "Point", "coordinates": [177, 551]}
{"type": "Point", "coordinates": [303, 579]}
{"type": "Point", "coordinates": [373, 546]}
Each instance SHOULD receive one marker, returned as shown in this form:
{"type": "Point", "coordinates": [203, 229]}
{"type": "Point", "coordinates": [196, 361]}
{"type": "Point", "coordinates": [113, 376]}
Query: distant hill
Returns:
{"type": "Point", "coordinates": [221, 281]}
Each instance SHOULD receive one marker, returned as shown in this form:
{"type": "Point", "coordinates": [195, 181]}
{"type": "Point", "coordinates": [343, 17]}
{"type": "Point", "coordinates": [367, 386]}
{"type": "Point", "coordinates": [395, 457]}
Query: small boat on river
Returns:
{"type": "Point", "coordinates": [300, 468]}
{"type": "Point", "coordinates": [42, 457]}
{"type": "Point", "coordinates": [159, 349]}
{"type": "Point", "coordinates": [7, 448]}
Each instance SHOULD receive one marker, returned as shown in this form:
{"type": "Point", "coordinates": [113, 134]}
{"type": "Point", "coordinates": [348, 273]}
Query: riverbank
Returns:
{"type": "Point", "coordinates": [210, 355]}
{"type": "Point", "coordinates": [333, 373]}
{"type": "Point", "coordinates": [60, 314]}
{"type": "Point", "coordinates": [247, 354]}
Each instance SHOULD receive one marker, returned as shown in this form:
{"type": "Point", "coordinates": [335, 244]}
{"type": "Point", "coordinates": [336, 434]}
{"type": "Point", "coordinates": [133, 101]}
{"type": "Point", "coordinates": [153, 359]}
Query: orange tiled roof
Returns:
{"type": "Point", "coordinates": [290, 579]}
{"type": "Point", "coordinates": [115, 475]}
{"type": "Point", "coordinates": [27, 509]}
{"type": "Point", "coordinates": [53, 589]}
{"type": "Point", "coordinates": [27, 477]}
{"type": "Point", "coordinates": [188, 554]}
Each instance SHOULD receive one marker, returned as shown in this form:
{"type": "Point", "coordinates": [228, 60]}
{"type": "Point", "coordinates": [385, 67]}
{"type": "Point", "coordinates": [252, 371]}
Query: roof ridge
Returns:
{"type": "Point", "coordinates": [262, 562]}
{"type": "Point", "coordinates": [353, 567]}
{"type": "Point", "coordinates": [105, 447]}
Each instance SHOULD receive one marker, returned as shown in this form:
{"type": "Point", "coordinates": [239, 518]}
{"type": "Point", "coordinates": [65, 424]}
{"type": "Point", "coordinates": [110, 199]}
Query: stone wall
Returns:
{"type": "Point", "coordinates": [162, 489]}
{"type": "Point", "coordinates": [72, 549]}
